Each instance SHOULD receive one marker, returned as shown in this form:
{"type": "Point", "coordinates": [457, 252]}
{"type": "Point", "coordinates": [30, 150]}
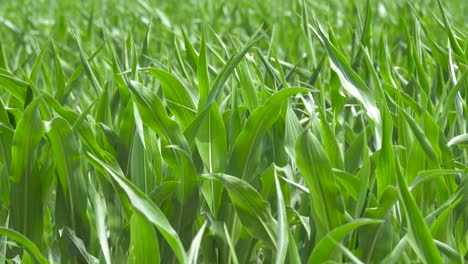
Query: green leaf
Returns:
{"type": "Point", "coordinates": [364, 176]}
{"type": "Point", "coordinates": [59, 75]}
{"type": "Point", "coordinates": [449, 29]}
{"type": "Point", "coordinates": [3, 58]}
{"type": "Point", "coordinates": [283, 230]}
{"type": "Point", "coordinates": [232, 251]}
{"type": "Point", "coordinates": [242, 160]}
{"type": "Point", "coordinates": [179, 100]}
{"type": "Point", "coordinates": [99, 208]}
{"type": "Point", "coordinates": [292, 131]}
{"type": "Point", "coordinates": [78, 245]}
{"type": "Point", "coordinates": [195, 247]}
{"type": "Point", "coordinates": [420, 137]}
{"type": "Point", "coordinates": [227, 70]}
{"type": "Point", "coordinates": [176, 152]}
{"type": "Point", "coordinates": [138, 165]}
{"type": "Point", "coordinates": [212, 142]}
{"type": "Point", "coordinates": [37, 64]}
{"type": "Point", "coordinates": [377, 241]}
{"type": "Point", "coordinates": [293, 254]}
{"type": "Point", "coordinates": [87, 67]}
{"type": "Point", "coordinates": [190, 51]}
{"type": "Point", "coordinates": [248, 88]}
{"type": "Point", "coordinates": [144, 205]}
{"type": "Point", "coordinates": [6, 141]}
{"type": "Point", "coordinates": [144, 245]}
{"type": "Point", "coordinates": [419, 235]}
{"type": "Point", "coordinates": [459, 140]}
{"type": "Point", "coordinates": [427, 175]}
{"type": "Point", "coordinates": [254, 212]}
{"type": "Point", "coordinates": [353, 84]}
{"type": "Point", "coordinates": [25, 242]}
{"type": "Point", "coordinates": [202, 74]}
{"type": "Point", "coordinates": [26, 208]}
{"type": "Point", "coordinates": [67, 160]}
{"type": "Point", "coordinates": [326, 204]}
{"type": "Point", "coordinates": [327, 244]}
{"type": "Point", "coordinates": [13, 85]}
{"type": "Point", "coordinates": [396, 255]}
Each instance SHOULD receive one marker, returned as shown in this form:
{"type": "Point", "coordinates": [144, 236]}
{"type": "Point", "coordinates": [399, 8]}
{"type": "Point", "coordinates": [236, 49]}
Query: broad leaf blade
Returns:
{"type": "Point", "coordinates": [25, 242]}
{"type": "Point", "coordinates": [144, 245]}
{"type": "Point", "coordinates": [326, 202]}
{"type": "Point", "coordinates": [419, 235]}
{"type": "Point", "coordinates": [143, 205]}
{"type": "Point", "coordinates": [254, 212]}
{"type": "Point", "coordinates": [242, 161]}
{"type": "Point", "coordinates": [26, 208]}
{"type": "Point", "coordinates": [326, 246]}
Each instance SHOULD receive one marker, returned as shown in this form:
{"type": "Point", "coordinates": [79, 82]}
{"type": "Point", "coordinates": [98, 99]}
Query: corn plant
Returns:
{"type": "Point", "coordinates": [233, 132]}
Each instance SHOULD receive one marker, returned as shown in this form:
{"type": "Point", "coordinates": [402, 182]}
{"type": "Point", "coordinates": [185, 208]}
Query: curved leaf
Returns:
{"type": "Point", "coordinates": [327, 207]}
{"type": "Point", "coordinates": [26, 208]}
{"type": "Point", "coordinates": [458, 140]}
{"type": "Point", "coordinates": [67, 159]}
{"type": "Point", "coordinates": [254, 212]}
{"type": "Point", "coordinates": [419, 235]}
{"type": "Point", "coordinates": [283, 234]}
{"type": "Point", "coordinates": [242, 160]}
{"type": "Point", "coordinates": [99, 209]}
{"type": "Point", "coordinates": [144, 205]}
{"type": "Point", "coordinates": [179, 100]}
{"type": "Point", "coordinates": [327, 245]}
{"type": "Point", "coordinates": [195, 247]}
{"type": "Point", "coordinates": [25, 242]}
{"type": "Point", "coordinates": [353, 84]}
{"type": "Point", "coordinates": [144, 245]}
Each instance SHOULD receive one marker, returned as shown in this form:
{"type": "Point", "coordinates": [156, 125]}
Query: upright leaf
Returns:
{"type": "Point", "coordinates": [353, 84]}
{"type": "Point", "coordinates": [195, 247]}
{"type": "Point", "coordinates": [99, 208]}
{"type": "Point", "coordinates": [179, 100]}
{"type": "Point", "coordinates": [144, 246]}
{"type": "Point", "coordinates": [26, 207]}
{"type": "Point", "coordinates": [25, 242]}
{"type": "Point", "coordinates": [327, 208]}
{"type": "Point", "coordinates": [324, 249]}
{"type": "Point", "coordinates": [419, 235]}
{"type": "Point", "coordinates": [143, 205]}
{"type": "Point", "coordinates": [202, 75]}
{"type": "Point", "coordinates": [283, 231]}
{"type": "Point", "coordinates": [67, 159]}
{"type": "Point", "coordinates": [242, 160]}
{"type": "Point", "coordinates": [254, 212]}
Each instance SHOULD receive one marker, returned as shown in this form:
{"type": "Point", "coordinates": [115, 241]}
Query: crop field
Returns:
{"type": "Point", "coordinates": [236, 131]}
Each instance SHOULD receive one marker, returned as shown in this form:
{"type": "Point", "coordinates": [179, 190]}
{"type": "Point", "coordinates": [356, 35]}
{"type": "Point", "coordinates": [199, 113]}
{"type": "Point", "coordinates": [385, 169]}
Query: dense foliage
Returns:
{"type": "Point", "coordinates": [242, 131]}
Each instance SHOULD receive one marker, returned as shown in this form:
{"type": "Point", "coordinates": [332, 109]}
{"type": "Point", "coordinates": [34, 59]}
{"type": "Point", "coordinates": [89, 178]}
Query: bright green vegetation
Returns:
{"type": "Point", "coordinates": [236, 132]}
